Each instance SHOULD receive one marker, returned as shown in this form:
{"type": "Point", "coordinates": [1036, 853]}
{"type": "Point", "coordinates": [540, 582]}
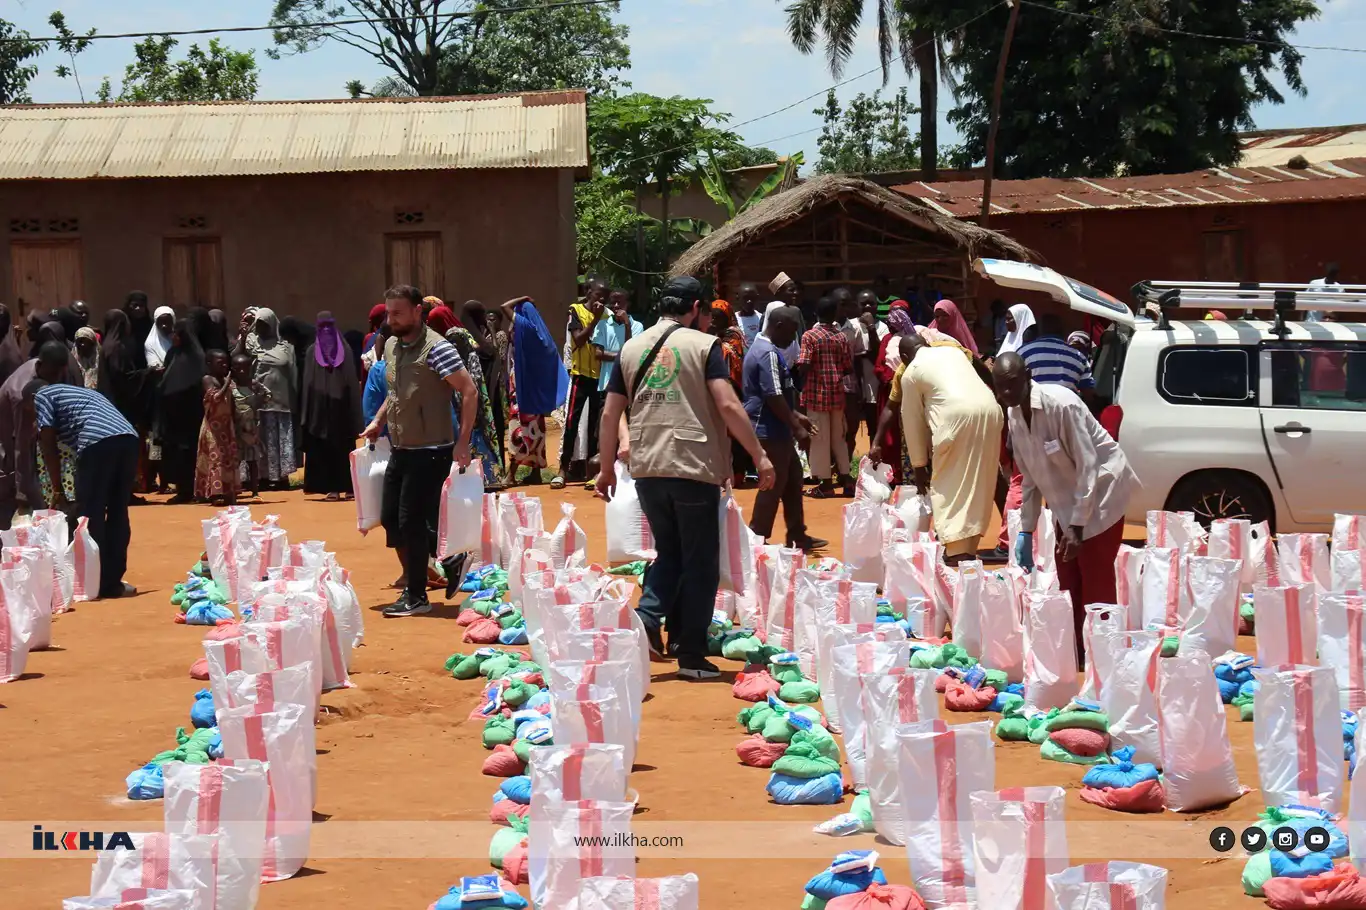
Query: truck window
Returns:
{"type": "Point", "coordinates": [1322, 376]}
{"type": "Point", "coordinates": [1208, 376]}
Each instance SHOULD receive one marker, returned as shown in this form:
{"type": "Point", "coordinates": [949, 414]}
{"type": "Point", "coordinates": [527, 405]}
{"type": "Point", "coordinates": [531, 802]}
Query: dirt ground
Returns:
{"type": "Point", "coordinates": [398, 748]}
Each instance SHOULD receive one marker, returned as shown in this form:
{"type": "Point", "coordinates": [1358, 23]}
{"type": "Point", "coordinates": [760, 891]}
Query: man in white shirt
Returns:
{"type": "Point", "coordinates": [747, 315]}
{"type": "Point", "coordinates": [1328, 283]}
{"type": "Point", "coordinates": [1067, 459]}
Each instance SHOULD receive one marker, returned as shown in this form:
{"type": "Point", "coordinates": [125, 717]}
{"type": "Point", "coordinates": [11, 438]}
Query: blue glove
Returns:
{"type": "Point", "coordinates": [1024, 550]}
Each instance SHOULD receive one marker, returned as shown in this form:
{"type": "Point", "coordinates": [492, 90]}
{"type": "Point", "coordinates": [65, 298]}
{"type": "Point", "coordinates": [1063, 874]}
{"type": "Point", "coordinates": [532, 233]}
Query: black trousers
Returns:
{"type": "Point", "coordinates": [681, 585]}
{"type": "Point", "coordinates": [786, 489]}
{"type": "Point", "coordinates": [412, 508]}
{"type": "Point", "coordinates": [584, 404]}
{"type": "Point", "coordinates": [105, 473]}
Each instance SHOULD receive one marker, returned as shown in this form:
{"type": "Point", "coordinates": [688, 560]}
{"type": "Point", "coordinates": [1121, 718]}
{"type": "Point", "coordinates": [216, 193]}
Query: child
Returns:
{"type": "Point", "coordinates": [215, 475]}
{"type": "Point", "coordinates": [249, 395]}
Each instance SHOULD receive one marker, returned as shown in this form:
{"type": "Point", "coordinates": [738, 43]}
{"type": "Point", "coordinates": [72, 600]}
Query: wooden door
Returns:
{"type": "Point", "coordinates": [47, 275]}
{"type": "Point", "coordinates": [1223, 256]}
{"type": "Point", "coordinates": [415, 259]}
{"type": "Point", "coordinates": [193, 272]}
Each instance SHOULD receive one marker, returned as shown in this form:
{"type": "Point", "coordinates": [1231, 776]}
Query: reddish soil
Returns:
{"type": "Point", "coordinates": [399, 748]}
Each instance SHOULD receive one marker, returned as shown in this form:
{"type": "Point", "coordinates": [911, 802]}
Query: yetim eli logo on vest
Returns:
{"type": "Point", "coordinates": [659, 381]}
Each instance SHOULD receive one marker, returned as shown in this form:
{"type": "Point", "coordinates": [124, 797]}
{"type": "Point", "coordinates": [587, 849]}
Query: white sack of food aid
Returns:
{"type": "Point", "coordinates": [568, 543]}
{"type": "Point", "coordinates": [901, 696]}
{"type": "Point", "coordinates": [573, 841]}
{"type": "Point", "coordinates": [490, 533]}
{"type": "Point", "coordinates": [137, 899]}
{"type": "Point", "coordinates": [737, 548]}
{"type": "Point", "coordinates": [1129, 696]}
{"type": "Point", "coordinates": [18, 614]}
{"type": "Point", "coordinates": [1231, 538]}
{"type": "Point", "coordinates": [1176, 531]}
{"type": "Point", "coordinates": [368, 464]}
{"type": "Point", "coordinates": [1103, 622]}
{"type": "Point", "coordinates": [83, 555]}
{"type": "Point", "coordinates": [1162, 584]}
{"type": "Point", "coordinates": [987, 621]}
{"type": "Point", "coordinates": [1348, 571]}
{"type": "Point", "coordinates": [1342, 645]}
{"type": "Point", "coordinates": [1019, 839]}
{"type": "Point", "coordinates": [675, 892]}
{"type": "Point", "coordinates": [175, 862]}
{"type": "Point", "coordinates": [515, 512]}
{"type": "Point", "coordinates": [230, 798]}
{"type": "Point", "coordinates": [1050, 646]}
{"type": "Point", "coordinates": [460, 519]}
{"type": "Point", "coordinates": [913, 573]}
{"type": "Point", "coordinates": [1287, 624]}
{"type": "Point", "coordinates": [1109, 886]}
{"type": "Point", "coordinates": [628, 530]}
{"type": "Point", "coordinates": [1304, 560]}
{"type": "Point", "coordinates": [594, 715]}
{"type": "Point", "coordinates": [782, 602]}
{"type": "Point", "coordinates": [1045, 540]}
{"type": "Point", "coordinates": [852, 603]}
{"type": "Point", "coordinates": [1348, 533]}
{"type": "Point", "coordinates": [1209, 604]}
{"type": "Point", "coordinates": [561, 774]}
{"type": "Point", "coordinates": [1297, 729]}
{"type": "Point", "coordinates": [856, 666]}
{"type": "Point", "coordinates": [1197, 760]}
{"type": "Point", "coordinates": [25, 578]}
{"type": "Point", "coordinates": [863, 540]}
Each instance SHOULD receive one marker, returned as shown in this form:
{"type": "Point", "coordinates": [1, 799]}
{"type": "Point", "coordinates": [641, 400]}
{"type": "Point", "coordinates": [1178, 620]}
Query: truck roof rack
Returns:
{"type": "Point", "coordinates": [1282, 299]}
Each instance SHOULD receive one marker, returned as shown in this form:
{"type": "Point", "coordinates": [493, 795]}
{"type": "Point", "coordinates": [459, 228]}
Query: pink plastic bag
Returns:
{"type": "Point", "coordinates": [1287, 628]}
{"type": "Point", "coordinates": [677, 892]}
{"type": "Point", "coordinates": [1342, 645]}
{"type": "Point", "coordinates": [1304, 560]}
{"type": "Point", "coordinates": [986, 621]}
{"type": "Point", "coordinates": [940, 766]}
{"type": "Point", "coordinates": [84, 555]}
{"type": "Point", "coordinates": [754, 685]}
{"type": "Point", "coordinates": [1348, 533]}
{"type": "Point", "coordinates": [1020, 838]}
{"type": "Point", "coordinates": [231, 799]}
{"type": "Point", "coordinates": [568, 543]}
{"type": "Point", "coordinates": [568, 773]}
{"type": "Point", "coordinates": [757, 752]}
{"type": "Point", "coordinates": [483, 631]}
{"type": "Point", "coordinates": [502, 762]}
{"type": "Point", "coordinates": [863, 540]}
{"type": "Point", "coordinates": [1110, 886]}
{"type": "Point", "coordinates": [1197, 760]}
{"type": "Point", "coordinates": [561, 854]}
{"type": "Point", "coordinates": [1341, 889]}
{"type": "Point", "coordinates": [174, 862]}
{"type": "Point", "coordinates": [878, 897]}
{"type": "Point", "coordinates": [1050, 664]}
{"type": "Point", "coordinates": [1297, 728]}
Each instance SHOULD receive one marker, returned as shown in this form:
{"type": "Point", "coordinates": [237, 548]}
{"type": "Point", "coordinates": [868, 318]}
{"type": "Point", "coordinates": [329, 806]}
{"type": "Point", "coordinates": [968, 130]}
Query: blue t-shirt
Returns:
{"type": "Point", "coordinates": [610, 335]}
{"type": "Point", "coordinates": [766, 374]}
{"type": "Point", "coordinates": [1052, 361]}
{"type": "Point", "coordinates": [80, 416]}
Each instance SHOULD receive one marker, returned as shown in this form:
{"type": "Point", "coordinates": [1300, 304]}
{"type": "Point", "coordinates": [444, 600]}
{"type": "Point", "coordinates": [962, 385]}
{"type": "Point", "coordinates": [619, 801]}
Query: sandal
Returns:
{"type": "Point", "coordinates": [557, 483]}
{"type": "Point", "coordinates": [821, 492]}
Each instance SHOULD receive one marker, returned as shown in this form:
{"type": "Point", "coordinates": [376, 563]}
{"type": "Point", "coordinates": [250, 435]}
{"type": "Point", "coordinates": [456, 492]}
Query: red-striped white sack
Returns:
{"type": "Point", "coordinates": [902, 695]}
{"type": "Point", "coordinates": [782, 601]}
{"type": "Point", "coordinates": [530, 554]}
{"type": "Point", "coordinates": [1304, 560]}
{"type": "Point", "coordinates": [572, 841]}
{"type": "Point", "coordinates": [611, 643]}
{"type": "Point", "coordinates": [283, 739]}
{"type": "Point", "coordinates": [308, 554]}
{"type": "Point", "coordinates": [1129, 585]}
{"type": "Point", "coordinates": [940, 766]}
{"type": "Point", "coordinates": [1110, 886]}
{"type": "Point", "coordinates": [1162, 584]}
{"type": "Point", "coordinates": [368, 466]}
{"type": "Point", "coordinates": [262, 647]}
{"type": "Point", "coordinates": [594, 715]}
{"type": "Point", "coordinates": [857, 665]}
{"type": "Point", "coordinates": [1231, 538]}
{"type": "Point", "coordinates": [489, 531]}
{"type": "Point", "coordinates": [460, 521]}
{"type": "Point", "coordinates": [1103, 622]}
{"type": "Point", "coordinates": [628, 530]}
{"type": "Point", "coordinates": [264, 550]}
{"type": "Point", "coordinates": [986, 619]}
{"type": "Point", "coordinates": [863, 540]}
{"type": "Point", "coordinates": [49, 577]}
{"type": "Point", "coordinates": [1129, 695]}
{"type": "Point", "coordinates": [676, 892]}
{"type": "Point", "coordinates": [1348, 533]}
{"type": "Point", "coordinates": [18, 613]}
{"type": "Point", "coordinates": [1209, 604]}
{"type": "Point", "coordinates": [568, 543]}
{"type": "Point", "coordinates": [1297, 728]}
{"type": "Point", "coordinates": [84, 557]}
{"type": "Point", "coordinates": [230, 798]}
{"type": "Point", "coordinates": [765, 567]}
{"type": "Point", "coordinates": [1266, 562]}
{"type": "Point", "coordinates": [563, 677]}
{"type": "Point", "coordinates": [220, 546]}
{"type": "Point", "coordinates": [1356, 804]}
{"type": "Point", "coordinates": [563, 619]}
{"type": "Point", "coordinates": [344, 604]}
{"type": "Point", "coordinates": [288, 686]}
{"type": "Point", "coordinates": [1177, 531]}
{"type": "Point", "coordinates": [1342, 644]}
{"type": "Point", "coordinates": [137, 899]}
{"type": "Point", "coordinates": [569, 773]}
{"type": "Point", "coordinates": [332, 650]}
{"type": "Point", "coordinates": [1045, 540]}
{"type": "Point", "coordinates": [737, 548]}
{"type": "Point", "coordinates": [1050, 649]}
{"type": "Point", "coordinates": [1287, 625]}
{"type": "Point", "coordinates": [1019, 839]}
{"type": "Point", "coordinates": [1197, 760]}
{"type": "Point", "coordinates": [176, 862]}
{"type": "Point", "coordinates": [835, 602]}
{"type": "Point", "coordinates": [58, 529]}
{"type": "Point", "coordinates": [19, 567]}
{"type": "Point", "coordinates": [811, 586]}
{"type": "Point", "coordinates": [1349, 570]}
{"type": "Point", "coordinates": [544, 591]}
{"type": "Point", "coordinates": [516, 511]}
{"type": "Point", "coordinates": [912, 575]}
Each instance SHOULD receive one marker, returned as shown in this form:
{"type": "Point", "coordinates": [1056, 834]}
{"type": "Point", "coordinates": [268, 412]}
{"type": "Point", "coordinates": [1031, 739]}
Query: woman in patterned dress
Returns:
{"type": "Point", "coordinates": [216, 466]}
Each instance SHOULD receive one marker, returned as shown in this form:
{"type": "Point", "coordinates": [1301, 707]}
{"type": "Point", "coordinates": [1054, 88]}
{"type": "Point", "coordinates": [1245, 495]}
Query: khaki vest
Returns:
{"type": "Point", "coordinates": [419, 400]}
{"type": "Point", "coordinates": [676, 428]}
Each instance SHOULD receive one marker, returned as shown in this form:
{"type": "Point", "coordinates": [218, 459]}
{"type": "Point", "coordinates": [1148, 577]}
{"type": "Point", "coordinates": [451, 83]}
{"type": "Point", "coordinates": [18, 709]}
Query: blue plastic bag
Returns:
{"type": "Point", "coordinates": [145, 783]}
{"type": "Point", "coordinates": [829, 885]}
{"type": "Point", "coordinates": [480, 892]}
{"type": "Point", "coordinates": [1288, 865]}
{"type": "Point", "coordinates": [1250, 687]}
{"type": "Point", "coordinates": [1228, 689]}
{"type": "Point", "coordinates": [206, 613]}
{"type": "Point", "coordinates": [884, 618]}
{"type": "Point", "coordinates": [1120, 772]}
{"type": "Point", "coordinates": [542, 697]}
{"type": "Point", "coordinates": [517, 789]}
{"type": "Point", "coordinates": [826, 790]}
{"type": "Point", "coordinates": [1015, 688]}
{"type": "Point", "coordinates": [513, 635]}
{"type": "Point", "coordinates": [201, 713]}
{"type": "Point", "coordinates": [215, 749]}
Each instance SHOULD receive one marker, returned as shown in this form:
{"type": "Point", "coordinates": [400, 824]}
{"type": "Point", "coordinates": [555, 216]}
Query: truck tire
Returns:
{"type": "Point", "coordinates": [1222, 494]}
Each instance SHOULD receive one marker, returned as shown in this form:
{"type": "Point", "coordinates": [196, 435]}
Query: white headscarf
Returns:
{"type": "Point", "coordinates": [157, 343]}
{"type": "Point", "coordinates": [793, 350]}
{"type": "Point", "coordinates": [1024, 320]}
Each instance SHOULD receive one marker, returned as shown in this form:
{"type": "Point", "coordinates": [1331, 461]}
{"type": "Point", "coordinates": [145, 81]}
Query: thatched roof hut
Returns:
{"type": "Point", "coordinates": [834, 230]}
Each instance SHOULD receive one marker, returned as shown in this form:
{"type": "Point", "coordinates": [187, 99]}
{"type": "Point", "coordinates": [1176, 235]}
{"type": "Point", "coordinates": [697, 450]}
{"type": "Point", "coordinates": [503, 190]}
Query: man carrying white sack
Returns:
{"type": "Point", "coordinates": [1066, 458]}
{"type": "Point", "coordinates": [673, 384]}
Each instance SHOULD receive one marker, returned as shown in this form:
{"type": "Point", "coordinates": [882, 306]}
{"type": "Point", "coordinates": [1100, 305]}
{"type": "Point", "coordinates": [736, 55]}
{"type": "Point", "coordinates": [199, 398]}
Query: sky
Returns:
{"type": "Point", "coordinates": [735, 52]}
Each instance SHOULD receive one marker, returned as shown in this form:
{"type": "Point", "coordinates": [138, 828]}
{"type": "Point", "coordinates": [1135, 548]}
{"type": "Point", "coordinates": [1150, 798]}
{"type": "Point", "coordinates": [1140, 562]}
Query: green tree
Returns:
{"type": "Point", "coordinates": [71, 44]}
{"type": "Point", "coordinates": [1107, 92]}
{"type": "Point", "coordinates": [15, 71]}
{"type": "Point", "coordinates": [745, 156]}
{"type": "Point", "coordinates": [914, 31]}
{"type": "Point", "coordinates": [221, 74]}
{"type": "Point", "coordinates": [606, 223]}
{"type": "Point", "coordinates": [869, 136]}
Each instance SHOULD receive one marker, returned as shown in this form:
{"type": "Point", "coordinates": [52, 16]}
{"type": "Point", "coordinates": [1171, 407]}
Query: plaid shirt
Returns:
{"type": "Point", "coordinates": [827, 359]}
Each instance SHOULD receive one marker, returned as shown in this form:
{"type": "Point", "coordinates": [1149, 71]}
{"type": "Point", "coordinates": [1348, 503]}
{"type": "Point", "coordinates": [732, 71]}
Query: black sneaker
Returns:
{"type": "Point", "coordinates": [810, 544]}
{"type": "Point", "coordinates": [655, 638]}
{"type": "Point", "coordinates": [702, 669]}
{"type": "Point", "coordinates": [403, 607]}
{"type": "Point", "coordinates": [454, 567]}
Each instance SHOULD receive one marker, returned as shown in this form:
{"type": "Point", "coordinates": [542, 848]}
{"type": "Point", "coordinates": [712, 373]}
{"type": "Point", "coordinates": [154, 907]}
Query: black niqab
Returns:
{"type": "Point", "coordinates": [10, 355]}
{"type": "Point", "coordinates": [185, 366]}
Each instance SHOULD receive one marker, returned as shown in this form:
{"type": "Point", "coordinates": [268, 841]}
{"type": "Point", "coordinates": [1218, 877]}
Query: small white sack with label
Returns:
{"type": "Point", "coordinates": [1019, 838]}
{"type": "Point", "coordinates": [1297, 728]}
{"type": "Point", "coordinates": [1197, 760]}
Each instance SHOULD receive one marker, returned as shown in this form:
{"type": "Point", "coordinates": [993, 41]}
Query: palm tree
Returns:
{"type": "Point", "coordinates": [904, 25]}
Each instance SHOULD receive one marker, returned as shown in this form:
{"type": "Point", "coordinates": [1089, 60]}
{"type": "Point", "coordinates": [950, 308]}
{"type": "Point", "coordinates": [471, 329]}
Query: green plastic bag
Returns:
{"type": "Point", "coordinates": [800, 692]}
{"type": "Point", "coordinates": [785, 673]}
{"type": "Point", "coordinates": [765, 654]}
{"type": "Point", "coordinates": [1088, 720]}
{"type": "Point", "coordinates": [463, 666]}
{"type": "Point", "coordinates": [754, 717]}
{"type": "Point", "coordinates": [499, 731]}
{"type": "Point", "coordinates": [522, 749]}
{"type": "Point", "coordinates": [776, 729]}
{"type": "Point", "coordinates": [1011, 704]}
{"type": "Point", "coordinates": [1256, 872]}
{"type": "Point", "coordinates": [714, 644]}
{"type": "Point", "coordinates": [1170, 645]}
{"type": "Point", "coordinates": [741, 647]}
{"type": "Point", "coordinates": [1038, 726]}
{"type": "Point", "coordinates": [938, 657]}
{"type": "Point", "coordinates": [498, 663]}
{"type": "Point", "coordinates": [517, 693]}
{"type": "Point", "coordinates": [1054, 752]}
{"type": "Point", "coordinates": [997, 680]}
{"type": "Point", "coordinates": [1012, 730]}
{"type": "Point", "coordinates": [863, 808]}
{"type": "Point", "coordinates": [630, 568]}
{"type": "Point", "coordinates": [504, 839]}
{"type": "Point", "coordinates": [819, 739]}
{"type": "Point", "coordinates": [1245, 712]}
{"type": "Point", "coordinates": [510, 619]}
{"type": "Point", "coordinates": [811, 902]}
{"type": "Point", "coordinates": [805, 761]}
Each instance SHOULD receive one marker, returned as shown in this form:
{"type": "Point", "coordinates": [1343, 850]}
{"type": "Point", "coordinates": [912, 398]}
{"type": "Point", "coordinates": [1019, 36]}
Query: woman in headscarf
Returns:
{"type": "Point", "coordinates": [441, 319]}
{"type": "Point", "coordinates": [88, 357]}
{"type": "Point", "coordinates": [950, 322]}
{"type": "Point", "coordinates": [377, 317]}
{"type": "Point", "coordinates": [538, 385]}
{"type": "Point", "coordinates": [180, 410]}
{"type": "Point", "coordinates": [121, 380]}
{"type": "Point", "coordinates": [1019, 320]}
{"type": "Point", "coordinates": [276, 371]}
{"type": "Point", "coordinates": [885, 367]}
{"type": "Point", "coordinates": [216, 333]}
{"type": "Point", "coordinates": [139, 324]}
{"type": "Point", "coordinates": [468, 348]}
{"type": "Point", "coordinates": [330, 412]}
{"type": "Point", "coordinates": [158, 341]}
{"type": "Point", "coordinates": [300, 335]}
{"type": "Point", "coordinates": [10, 355]}
{"type": "Point", "coordinates": [474, 318]}
{"type": "Point", "coordinates": [497, 379]}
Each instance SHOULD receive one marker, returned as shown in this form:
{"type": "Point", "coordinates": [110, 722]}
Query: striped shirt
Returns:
{"type": "Point", "coordinates": [444, 360]}
{"type": "Point", "coordinates": [80, 416]}
{"type": "Point", "coordinates": [1052, 361]}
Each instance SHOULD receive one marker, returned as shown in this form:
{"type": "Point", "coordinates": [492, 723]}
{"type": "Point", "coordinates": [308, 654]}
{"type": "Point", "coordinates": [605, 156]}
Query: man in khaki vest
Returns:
{"type": "Point", "coordinates": [682, 413]}
{"type": "Point", "coordinates": [422, 370]}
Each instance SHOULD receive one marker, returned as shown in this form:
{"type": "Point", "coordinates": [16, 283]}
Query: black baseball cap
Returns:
{"type": "Point", "coordinates": [687, 289]}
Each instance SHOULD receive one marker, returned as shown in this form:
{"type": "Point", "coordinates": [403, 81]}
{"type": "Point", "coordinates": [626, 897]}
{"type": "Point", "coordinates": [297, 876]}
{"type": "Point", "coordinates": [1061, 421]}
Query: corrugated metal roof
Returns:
{"type": "Point", "coordinates": [1275, 148]}
{"type": "Point", "coordinates": [64, 142]}
{"type": "Point", "coordinates": [1218, 186]}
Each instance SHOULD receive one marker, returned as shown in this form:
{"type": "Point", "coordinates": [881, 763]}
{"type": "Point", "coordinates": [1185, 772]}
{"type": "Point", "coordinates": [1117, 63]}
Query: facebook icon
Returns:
{"type": "Point", "coordinates": [1222, 839]}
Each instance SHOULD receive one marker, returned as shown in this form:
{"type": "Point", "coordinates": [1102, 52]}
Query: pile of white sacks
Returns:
{"type": "Point", "coordinates": [246, 818]}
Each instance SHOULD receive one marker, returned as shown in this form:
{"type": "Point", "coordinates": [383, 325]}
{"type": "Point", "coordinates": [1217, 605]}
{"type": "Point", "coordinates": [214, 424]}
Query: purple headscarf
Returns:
{"type": "Point", "coordinates": [330, 349]}
{"type": "Point", "coordinates": [899, 321]}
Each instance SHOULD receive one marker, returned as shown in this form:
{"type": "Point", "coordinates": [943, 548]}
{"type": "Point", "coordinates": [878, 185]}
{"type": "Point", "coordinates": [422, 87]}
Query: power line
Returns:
{"type": "Point", "coordinates": [365, 20]}
{"type": "Point", "coordinates": [1208, 37]}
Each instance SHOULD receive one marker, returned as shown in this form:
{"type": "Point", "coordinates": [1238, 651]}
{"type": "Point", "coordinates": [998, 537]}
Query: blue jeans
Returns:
{"type": "Point", "coordinates": [680, 586]}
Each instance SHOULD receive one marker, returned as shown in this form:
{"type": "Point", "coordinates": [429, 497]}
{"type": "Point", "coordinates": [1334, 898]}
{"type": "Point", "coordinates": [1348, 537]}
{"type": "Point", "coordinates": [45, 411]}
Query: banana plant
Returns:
{"type": "Point", "coordinates": [719, 186]}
